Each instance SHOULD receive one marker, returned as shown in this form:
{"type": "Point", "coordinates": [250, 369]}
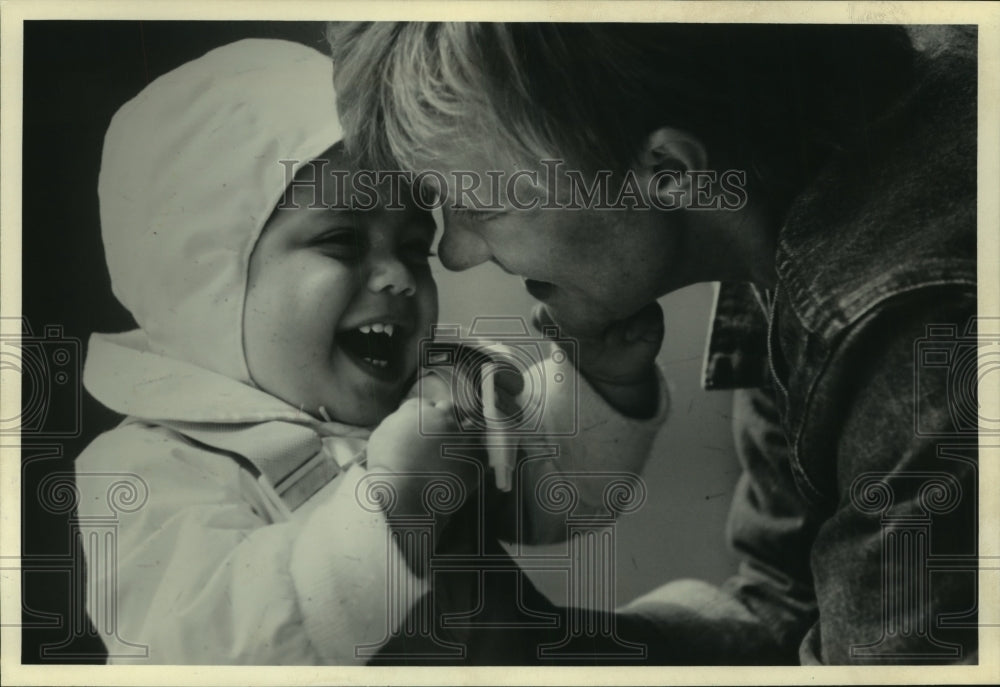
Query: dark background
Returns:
{"type": "Point", "coordinates": [76, 75]}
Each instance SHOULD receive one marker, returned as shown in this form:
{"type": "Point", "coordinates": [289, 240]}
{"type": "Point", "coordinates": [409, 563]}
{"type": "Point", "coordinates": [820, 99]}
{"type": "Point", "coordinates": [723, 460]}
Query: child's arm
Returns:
{"type": "Point", "coordinates": [406, 452]}
{"type": "Point", "coordinates": [607, 447]}
{"type": "Point", "coordinates": [203, 578]}
{"type": "Point", "coordinates": [599, 431]}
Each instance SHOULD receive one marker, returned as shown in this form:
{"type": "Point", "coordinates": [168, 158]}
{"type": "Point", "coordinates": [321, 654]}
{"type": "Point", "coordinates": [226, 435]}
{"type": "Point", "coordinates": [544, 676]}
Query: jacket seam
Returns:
{"type": "Point", "coordinates": [810, 302]}
{"type": "Point", "coordinates": [835, 345]}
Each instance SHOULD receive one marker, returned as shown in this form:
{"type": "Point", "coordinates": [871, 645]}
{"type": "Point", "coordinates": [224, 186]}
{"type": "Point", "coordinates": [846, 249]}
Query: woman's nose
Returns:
{"type": "Point", "coordinates": [391, 275]}
{"type": "Point", "coordinates": [460, 249]}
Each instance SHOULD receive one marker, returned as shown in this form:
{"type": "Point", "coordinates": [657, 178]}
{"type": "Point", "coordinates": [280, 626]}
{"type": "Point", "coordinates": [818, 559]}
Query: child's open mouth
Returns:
{"type": "Point", "coordinates": [377, 347]}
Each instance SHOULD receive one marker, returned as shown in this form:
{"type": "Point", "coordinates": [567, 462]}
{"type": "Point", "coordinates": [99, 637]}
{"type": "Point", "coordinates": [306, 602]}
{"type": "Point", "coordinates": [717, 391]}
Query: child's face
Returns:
{"type": "Point", "coordinates": [337, 302]}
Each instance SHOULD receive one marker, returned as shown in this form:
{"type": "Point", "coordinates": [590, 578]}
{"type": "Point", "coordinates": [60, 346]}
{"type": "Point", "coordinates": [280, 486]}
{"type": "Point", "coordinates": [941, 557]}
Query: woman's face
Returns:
{"type": "Point", "coordinates": [590, 266]}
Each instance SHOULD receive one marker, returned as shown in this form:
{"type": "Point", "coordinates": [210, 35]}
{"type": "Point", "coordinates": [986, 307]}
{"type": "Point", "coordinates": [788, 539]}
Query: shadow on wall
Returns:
{"type": "Point", "coordinates": [679, 531]}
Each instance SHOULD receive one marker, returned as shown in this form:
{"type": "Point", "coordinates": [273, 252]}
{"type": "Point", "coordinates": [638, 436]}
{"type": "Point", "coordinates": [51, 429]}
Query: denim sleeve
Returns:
{"type": "Point", "coordinates": [891, 433]}
{"type": "Point", "coordinates": [882, 570]}
{"type": "Point", "coordinates": [760, 614]}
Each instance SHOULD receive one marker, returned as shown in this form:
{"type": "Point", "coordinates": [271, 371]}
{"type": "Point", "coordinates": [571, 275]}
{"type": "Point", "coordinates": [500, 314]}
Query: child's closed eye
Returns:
{"type": "Point", "coordinates": [478, 215]}
{"type": "Point", "coordinates": [342, 243]}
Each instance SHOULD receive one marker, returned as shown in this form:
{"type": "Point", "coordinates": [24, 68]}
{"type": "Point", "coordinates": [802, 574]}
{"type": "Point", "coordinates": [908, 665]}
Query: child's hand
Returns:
{"type": "Point", "coordinates": [397, 446]}
{"type": "Point", "coordinates": [619, 360]}
{"type": "Point", "coordinates": [407, 447]}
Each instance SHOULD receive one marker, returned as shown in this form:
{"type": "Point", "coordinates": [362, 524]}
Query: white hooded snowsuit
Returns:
{"type": "Point", "coordinates": [244, 534]}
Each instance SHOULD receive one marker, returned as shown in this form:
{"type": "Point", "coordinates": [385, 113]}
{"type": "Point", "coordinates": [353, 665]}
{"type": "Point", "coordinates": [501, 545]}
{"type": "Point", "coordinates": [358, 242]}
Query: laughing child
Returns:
{"type": "Point", "coordinates": [277, 328]}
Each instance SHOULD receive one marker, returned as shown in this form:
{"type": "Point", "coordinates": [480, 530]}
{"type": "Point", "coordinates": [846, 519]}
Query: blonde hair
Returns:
{"type": "Point", "coordinates": [592, 93]}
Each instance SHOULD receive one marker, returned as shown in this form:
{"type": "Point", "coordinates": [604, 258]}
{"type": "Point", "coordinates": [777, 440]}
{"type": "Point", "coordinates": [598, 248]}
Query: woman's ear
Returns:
{"type": "Point", "coordinates": [668, 155]}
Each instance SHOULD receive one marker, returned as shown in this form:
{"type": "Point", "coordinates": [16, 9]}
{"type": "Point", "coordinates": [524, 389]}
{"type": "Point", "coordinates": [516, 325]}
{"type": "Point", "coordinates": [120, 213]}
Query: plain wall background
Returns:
{"type": "Point", "coordinates": [77, 74]}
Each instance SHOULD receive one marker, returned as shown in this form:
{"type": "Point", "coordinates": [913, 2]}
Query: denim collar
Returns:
{"type": "Point", "coordinates": [736, 354]}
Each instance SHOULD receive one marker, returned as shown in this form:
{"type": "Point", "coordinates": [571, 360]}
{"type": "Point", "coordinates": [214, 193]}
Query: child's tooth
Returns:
{"type": "Point", "coordinates": [365, 329]}
{"type": "Point", "coordinates": [389, 329]}
{"type": "Point", "coordinates": [377, 327]}
{"type": "Point", "coordinates": [367, 360]}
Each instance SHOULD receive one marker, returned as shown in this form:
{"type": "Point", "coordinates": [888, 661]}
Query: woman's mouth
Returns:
{"type": "Point", "coordinates": [540, 290]}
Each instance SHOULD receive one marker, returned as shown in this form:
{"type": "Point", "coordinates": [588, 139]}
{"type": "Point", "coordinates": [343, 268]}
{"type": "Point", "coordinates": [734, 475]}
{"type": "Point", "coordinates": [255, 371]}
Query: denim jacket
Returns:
{"type": "Point", "coordinates": [855, 410]}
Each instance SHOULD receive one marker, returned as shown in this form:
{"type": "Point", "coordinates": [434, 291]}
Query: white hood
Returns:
{"type": "Point", "coordinates": [191, 172]}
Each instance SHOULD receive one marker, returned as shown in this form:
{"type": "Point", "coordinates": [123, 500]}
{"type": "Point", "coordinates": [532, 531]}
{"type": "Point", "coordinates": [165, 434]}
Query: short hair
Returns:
{"type": "Point", "coordinates": [592, 93]}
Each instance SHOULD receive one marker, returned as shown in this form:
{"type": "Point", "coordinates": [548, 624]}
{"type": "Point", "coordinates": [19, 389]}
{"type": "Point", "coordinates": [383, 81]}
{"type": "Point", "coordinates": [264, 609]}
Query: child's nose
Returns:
{"type": "Point", "coordinates": [460, 249]}
{"type": "Point", "coordinates": [391, 275]}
